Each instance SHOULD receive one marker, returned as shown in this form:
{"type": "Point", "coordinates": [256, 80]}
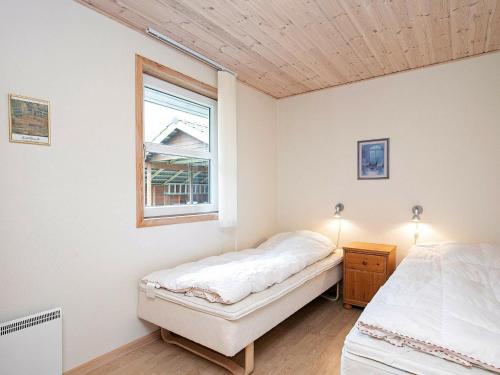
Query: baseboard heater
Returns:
{"type": "Point", "coordinates": [32, 345]}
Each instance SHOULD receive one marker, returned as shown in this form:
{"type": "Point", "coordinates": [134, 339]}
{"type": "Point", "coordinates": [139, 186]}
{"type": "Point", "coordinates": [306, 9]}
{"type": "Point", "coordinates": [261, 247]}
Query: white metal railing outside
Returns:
{"type": "Point", "coordinates": [183, 189]}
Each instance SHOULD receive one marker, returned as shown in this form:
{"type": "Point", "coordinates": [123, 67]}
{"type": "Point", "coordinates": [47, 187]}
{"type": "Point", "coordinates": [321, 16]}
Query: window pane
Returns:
{"type": "Point", "coordinates": [174, 121]}
{"type": "Point", "coordinates": [173, 180]}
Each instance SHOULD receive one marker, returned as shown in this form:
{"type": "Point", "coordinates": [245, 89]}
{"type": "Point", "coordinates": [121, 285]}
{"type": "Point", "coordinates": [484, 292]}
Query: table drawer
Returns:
{"type": "Point", "coordinates": [365, 262]}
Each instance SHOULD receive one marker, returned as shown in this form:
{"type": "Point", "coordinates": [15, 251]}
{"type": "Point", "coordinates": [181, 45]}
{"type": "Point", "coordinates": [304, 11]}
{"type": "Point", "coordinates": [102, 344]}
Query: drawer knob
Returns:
{"type": "Point", "coordinates": [364, 263]}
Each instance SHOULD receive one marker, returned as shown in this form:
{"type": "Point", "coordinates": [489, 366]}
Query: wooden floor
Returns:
{"type": "Point", "coordinates": [309, 342]}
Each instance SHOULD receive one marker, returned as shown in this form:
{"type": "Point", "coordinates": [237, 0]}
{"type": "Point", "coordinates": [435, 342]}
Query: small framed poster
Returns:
{"type": "Point", "coordinates": [373, 159]}
{"type": "Point", "coordinates": [29, 120]}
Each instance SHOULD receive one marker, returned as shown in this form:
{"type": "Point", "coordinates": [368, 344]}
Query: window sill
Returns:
{"type": "Point", "coordinates": [180, 219]}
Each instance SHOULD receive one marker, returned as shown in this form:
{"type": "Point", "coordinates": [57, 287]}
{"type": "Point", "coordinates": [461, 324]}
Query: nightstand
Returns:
{"type": "Point", "coordinates": [367, 266]}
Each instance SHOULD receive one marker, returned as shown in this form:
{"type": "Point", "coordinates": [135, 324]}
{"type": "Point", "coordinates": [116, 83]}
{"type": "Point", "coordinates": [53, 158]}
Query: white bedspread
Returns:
{"type": "Point", "coordinates": [442, 300]}
{"type": "Point", "coordinates": [230, 277]}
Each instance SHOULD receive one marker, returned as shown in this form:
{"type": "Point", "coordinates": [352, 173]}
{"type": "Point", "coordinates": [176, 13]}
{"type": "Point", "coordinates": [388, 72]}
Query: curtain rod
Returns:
{"type": "Point", "coordinates": [172, 43]}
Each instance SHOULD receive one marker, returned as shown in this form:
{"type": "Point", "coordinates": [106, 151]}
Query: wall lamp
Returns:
{"type": "Point", "coordinates": [339, 207]}
{"type": "Point", "coordinates": [417, 211]}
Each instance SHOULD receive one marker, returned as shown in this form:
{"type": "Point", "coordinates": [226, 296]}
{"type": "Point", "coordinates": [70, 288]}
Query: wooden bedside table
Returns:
{"type": "Point", "coordinates": [367, 266]}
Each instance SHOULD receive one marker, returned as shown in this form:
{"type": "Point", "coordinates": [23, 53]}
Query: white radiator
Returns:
{"type": "Point", "coordinates": [32, 345]}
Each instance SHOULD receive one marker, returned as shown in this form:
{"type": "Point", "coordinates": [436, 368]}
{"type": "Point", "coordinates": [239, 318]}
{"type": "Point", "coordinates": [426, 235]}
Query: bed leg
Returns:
{"type": "Point", "coordinates": [337, 295]}
{"type": "Point", "coordinates": [227, 362]}
{"type": "Point", "coordinates": [249, 359]}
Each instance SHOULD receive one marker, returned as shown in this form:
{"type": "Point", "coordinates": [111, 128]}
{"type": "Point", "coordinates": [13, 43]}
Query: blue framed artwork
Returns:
{"type": "Point", "coordinates": [373, 159]}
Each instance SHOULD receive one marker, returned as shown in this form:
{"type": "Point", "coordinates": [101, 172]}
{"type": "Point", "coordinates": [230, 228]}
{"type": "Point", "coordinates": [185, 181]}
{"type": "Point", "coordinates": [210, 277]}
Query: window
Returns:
{"type": "Point", "coordinates": [178, 161]}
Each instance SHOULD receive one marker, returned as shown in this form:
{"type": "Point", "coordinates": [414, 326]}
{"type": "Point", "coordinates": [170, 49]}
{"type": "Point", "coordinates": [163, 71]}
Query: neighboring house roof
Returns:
{"type": "Point", "coordinates": [179, 133]}
{"type": "Point", "coordinates": [200, 132]}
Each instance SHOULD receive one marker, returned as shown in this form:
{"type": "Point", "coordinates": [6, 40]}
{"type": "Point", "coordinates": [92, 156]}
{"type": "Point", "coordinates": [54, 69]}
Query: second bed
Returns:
{"type": "Point", "coordinates": [219, 331]}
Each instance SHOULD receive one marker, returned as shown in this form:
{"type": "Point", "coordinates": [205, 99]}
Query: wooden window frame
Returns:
{"type": "Point", "coordinates": [146, 66]}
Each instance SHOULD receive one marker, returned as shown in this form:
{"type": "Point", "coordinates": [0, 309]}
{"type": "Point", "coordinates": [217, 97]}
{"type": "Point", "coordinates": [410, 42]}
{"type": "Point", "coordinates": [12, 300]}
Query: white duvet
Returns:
{"type": "Point", "coordinates": [443, 300]}
{"type": "Point", "coordinates": [230, 277]}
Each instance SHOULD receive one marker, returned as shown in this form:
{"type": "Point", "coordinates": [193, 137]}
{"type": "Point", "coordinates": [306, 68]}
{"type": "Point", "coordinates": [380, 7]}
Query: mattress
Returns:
{"type": "Point", "coordinates": [254, 301]}
{"type": "Point", "coordinates": [228, 329]}
{"type": "Point", "coordinates": [232, 276]}
{"type": "Point", "coordinates": [444, 301]}
{"type": "Point", "coordinates": [363, 354]}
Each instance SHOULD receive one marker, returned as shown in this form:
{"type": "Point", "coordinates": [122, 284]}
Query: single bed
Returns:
{"type": "Point", "coordinates": [438, 314]}
{"type": "Point", "coordinates": [219, 331]}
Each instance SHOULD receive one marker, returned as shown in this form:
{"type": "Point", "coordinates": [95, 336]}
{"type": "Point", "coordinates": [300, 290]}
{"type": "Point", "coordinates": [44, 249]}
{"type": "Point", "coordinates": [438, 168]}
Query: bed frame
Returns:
{"type": "Point", "coordinates": [218, 339]}
{"type": "Point", "coordinates": [229, 364]}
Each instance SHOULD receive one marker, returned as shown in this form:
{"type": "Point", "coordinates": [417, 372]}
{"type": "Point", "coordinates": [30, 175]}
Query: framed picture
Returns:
{"type": "Point", "coordinates": [29, 120]}
{"type": "Point", "coordinates": [373, 159]}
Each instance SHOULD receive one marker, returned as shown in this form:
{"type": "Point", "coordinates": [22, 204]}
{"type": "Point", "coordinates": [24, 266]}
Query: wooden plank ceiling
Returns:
{"type": "Point", "coordinates": [287, 47]}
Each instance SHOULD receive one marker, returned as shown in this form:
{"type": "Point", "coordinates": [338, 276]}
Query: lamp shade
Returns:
{"type": "Point", "coordinates": [417, 211]}
{"type": "Point", "coordinates": [339, 207]}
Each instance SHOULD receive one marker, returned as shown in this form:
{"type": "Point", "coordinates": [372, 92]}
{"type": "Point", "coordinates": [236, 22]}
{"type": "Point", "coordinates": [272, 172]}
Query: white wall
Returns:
{"type": "Point", "coordinates": [67, 217]}
{"type": "Point", "coordinates": [444, 130]}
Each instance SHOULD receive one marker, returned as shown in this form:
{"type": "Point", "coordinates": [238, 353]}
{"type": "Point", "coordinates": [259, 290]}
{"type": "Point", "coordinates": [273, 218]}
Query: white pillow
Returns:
{"type": "Point", "coordinates": [273, 240]}
{"type": "Point", "coordinates": [299, 238]}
